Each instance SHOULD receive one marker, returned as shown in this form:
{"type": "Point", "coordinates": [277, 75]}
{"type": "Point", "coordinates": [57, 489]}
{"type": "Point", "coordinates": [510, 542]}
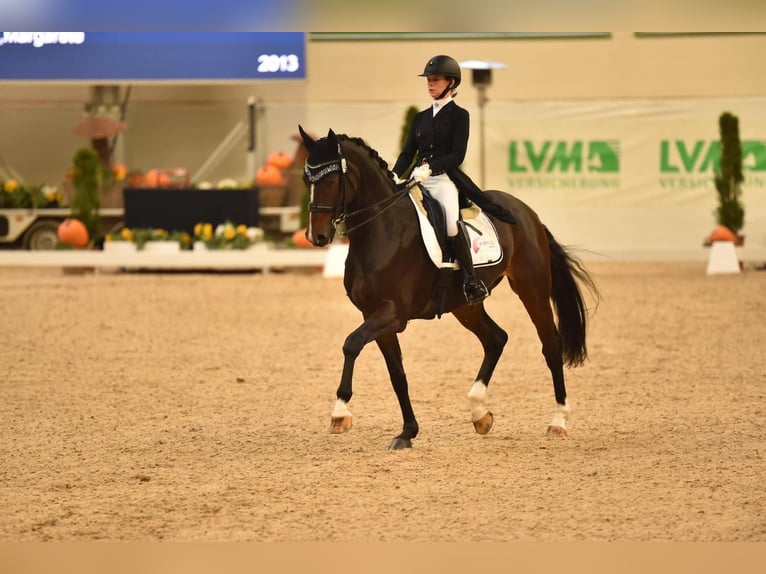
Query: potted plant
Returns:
{"type": "Point", "coordinates": [17, 196]}
{"type": "Point", "coordinates": [148, 239]}
{"type": "Point", "coordinates": [227, 235]}
{"type": "Point", "coordinates": [163, 241]}
{"type": "Point", "coordinates": [730, 213]}
{"type": "Point", "coordinates": [121, 241]}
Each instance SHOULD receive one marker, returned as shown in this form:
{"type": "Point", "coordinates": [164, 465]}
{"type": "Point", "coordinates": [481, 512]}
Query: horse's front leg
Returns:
{"type": "Point", "coordinates": [392, 353]}
{"type": "Point", "coordinates": [382, 321]}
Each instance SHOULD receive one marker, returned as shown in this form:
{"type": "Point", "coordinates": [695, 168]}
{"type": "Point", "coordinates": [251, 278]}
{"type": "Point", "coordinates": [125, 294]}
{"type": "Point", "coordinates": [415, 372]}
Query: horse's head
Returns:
{"type": "Point", "coordinates": [323, 174]}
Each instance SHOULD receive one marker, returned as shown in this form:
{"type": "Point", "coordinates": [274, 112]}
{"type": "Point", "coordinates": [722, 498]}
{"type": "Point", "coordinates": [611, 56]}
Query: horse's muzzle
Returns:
{"type": "Point", "coordinates": [320, 240]}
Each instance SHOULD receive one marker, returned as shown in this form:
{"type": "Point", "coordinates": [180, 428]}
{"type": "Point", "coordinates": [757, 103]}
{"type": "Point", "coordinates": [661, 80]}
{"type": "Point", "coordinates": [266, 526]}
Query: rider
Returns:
{"type": "Point", "coordinates": [439, 137]}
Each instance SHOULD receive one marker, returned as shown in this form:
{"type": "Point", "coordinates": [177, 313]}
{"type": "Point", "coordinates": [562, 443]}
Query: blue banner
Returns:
{"type": "Point", "coordinates": [131, 56]}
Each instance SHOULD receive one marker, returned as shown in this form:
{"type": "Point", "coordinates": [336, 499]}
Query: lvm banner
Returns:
{"type": "Point", "coordinates": [605, 173]}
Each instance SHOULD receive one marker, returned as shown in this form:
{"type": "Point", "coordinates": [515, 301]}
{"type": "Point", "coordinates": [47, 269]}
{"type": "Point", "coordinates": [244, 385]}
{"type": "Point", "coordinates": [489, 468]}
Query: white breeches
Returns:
{"type": "Point", "coordinates": [444, 191]}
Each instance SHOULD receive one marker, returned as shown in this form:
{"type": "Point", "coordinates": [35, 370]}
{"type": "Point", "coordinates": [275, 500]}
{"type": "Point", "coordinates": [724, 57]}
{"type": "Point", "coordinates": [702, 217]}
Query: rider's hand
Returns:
{"type": "Point", "coordinates": [397, 180]}
{"type": "Point", "coordinates": [421, 173]}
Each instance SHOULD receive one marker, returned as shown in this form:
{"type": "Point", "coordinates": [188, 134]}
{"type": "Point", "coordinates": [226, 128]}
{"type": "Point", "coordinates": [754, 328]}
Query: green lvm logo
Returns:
{"type": "Point", "coordinates": [561, 163]}
{"type": "Point", "coordinates": [691, 164]}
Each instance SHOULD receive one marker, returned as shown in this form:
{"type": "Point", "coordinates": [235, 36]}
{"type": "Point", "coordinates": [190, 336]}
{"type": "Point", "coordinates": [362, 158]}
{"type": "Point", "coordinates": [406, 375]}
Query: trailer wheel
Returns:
{"type": "Point", "coordinates": [42, 235]}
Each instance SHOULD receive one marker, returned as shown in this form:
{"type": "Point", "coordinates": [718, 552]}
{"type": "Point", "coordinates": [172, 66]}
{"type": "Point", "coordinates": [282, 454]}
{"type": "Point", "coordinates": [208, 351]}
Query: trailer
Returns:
{"type": "Point", "coordinates": [37, 229]}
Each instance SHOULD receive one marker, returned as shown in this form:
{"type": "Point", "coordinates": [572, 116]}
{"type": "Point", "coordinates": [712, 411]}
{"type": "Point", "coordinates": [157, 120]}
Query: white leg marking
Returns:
{"type": "Point", "coordinates": [477, 395]}
{"type": "Point", "coordinates": [341, 410]}
{"type": "Point", "coordinates": [561, 415]}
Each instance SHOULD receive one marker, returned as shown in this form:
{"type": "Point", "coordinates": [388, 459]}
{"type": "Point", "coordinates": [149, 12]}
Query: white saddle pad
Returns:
{"type": "Point", "coordinates": [485, 245]}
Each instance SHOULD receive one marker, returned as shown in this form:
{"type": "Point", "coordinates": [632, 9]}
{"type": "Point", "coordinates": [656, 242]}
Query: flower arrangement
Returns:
{"type": "Point", "coordinates": [17, 196]}
{"type": "Point", "coordinates": [224, 236]}
{"type": "Point", "coordinates": [140, 236]}
{"type": "Point", "coordinates": [124, 234]}
{"type": "Point", "coordinates": [227, 235]}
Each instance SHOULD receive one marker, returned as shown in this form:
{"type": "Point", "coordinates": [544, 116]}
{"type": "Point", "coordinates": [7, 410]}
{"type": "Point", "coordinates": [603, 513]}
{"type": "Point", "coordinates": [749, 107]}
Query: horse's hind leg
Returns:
{"type": "Point", "coordinates": [493, 339]}
{"type": "Point", "coordinates": [541, 313]}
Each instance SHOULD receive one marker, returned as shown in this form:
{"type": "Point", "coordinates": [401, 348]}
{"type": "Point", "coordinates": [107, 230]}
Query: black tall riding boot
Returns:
{"type": "Point", "coordinates": [474, 289]}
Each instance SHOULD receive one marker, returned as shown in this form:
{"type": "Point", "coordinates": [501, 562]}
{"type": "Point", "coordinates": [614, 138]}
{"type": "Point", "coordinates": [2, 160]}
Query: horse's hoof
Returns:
{"type": "Point", "coordinates": [400, 443]}
{"type": "Point", "coordinates": [339, 425]}
{"type": "Point", "coordinates": [556, 431]}
{"type": "Point", "coordinates": [484, 424]}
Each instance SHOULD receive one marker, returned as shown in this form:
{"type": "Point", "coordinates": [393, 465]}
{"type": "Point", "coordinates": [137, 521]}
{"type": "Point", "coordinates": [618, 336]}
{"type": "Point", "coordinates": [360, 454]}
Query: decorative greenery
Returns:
{"type": "Point", "coordinates": [140, 236]}
{"type": "Point", "coordinates": [13, 195]}
{"type": "Point", "coordinates": [124, 234]}
{"type": "Point", "coordinates": [728, 178]}
{"type": "Point", "coordinates": [409, 117]}
{"type": "Point", "coordinates": [87, 178]}
{"type": "Point", "coordinates": [182, 237]}
{"type": "Point", "coordinates": [227, 235]}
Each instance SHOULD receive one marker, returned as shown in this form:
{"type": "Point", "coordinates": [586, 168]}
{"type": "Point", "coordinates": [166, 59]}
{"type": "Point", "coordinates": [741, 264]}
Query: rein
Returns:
{"type": "Point", "coordinates": [340, 222]}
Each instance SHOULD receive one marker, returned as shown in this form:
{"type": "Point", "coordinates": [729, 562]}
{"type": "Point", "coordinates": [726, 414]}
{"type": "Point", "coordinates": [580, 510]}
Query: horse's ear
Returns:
{"type": "Point", "coordinates": [331, 138]}
{"type": "Point", "coordinates": [307, 139]}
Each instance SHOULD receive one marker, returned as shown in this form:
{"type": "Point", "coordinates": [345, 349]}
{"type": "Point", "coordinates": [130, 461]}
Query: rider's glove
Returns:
{"type": "Point", "coordinates": [421, 173]}
{"type": "Point", "coordinates": [397, 180]}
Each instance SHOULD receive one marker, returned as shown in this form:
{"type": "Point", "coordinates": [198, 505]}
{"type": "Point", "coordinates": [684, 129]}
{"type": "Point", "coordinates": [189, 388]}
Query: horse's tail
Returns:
{"type": "Point", "coordinates": [567, 272]}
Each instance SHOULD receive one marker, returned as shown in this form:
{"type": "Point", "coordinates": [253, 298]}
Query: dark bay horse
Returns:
{"type": "Point", "coordinates": [390, 278]}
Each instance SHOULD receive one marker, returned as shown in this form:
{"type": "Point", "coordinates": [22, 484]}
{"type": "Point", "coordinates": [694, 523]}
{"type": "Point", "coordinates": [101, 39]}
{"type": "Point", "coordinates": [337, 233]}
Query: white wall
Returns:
{"type": "Point", "coordinates": [364, 88]}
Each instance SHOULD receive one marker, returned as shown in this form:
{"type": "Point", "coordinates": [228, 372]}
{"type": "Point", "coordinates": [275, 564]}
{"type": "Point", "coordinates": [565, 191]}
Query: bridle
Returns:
{"type": "Point", "coordinates": [315, 173]}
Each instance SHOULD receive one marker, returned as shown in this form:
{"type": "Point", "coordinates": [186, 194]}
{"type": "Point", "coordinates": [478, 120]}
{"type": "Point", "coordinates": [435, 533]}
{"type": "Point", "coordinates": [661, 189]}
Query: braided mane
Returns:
{"type": "Point", "coordinates": [372, 153]}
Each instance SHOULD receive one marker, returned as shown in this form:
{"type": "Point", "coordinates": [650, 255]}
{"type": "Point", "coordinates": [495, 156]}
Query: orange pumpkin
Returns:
{"type": "Point", "coordinates": [299, 239]}
{"type": "Point", "coordinates": [163, 179]}
{"type": "Point", "coordinates": [73, 232]}
{"type": "Point", "coordinates": [722, 233]}
{"type": "Point", "coordinates": [279, 159]}
{"type": "Point", "coordinates": [151, 178]}
{"type": "Point", "coordinates": [135, 179]}
{"type": "Point", "coordinates": [269, 175]}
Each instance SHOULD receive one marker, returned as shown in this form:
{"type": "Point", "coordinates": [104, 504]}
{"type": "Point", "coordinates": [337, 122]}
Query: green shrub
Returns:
{"type": "Point", "coordinates": [409, 117]}
{"type": "Point", "coordinates": [87, 178]}
{"type": "Point", "coordinates": [728, 178]}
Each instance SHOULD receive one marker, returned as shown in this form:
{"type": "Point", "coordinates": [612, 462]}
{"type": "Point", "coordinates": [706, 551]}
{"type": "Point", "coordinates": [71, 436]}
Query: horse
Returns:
{"type": "Point", "coordinates": [390, 279]}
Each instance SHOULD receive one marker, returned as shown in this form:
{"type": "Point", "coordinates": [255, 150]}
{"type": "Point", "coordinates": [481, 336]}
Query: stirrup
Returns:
{"type": "Point", "coordinates": [474, 290]}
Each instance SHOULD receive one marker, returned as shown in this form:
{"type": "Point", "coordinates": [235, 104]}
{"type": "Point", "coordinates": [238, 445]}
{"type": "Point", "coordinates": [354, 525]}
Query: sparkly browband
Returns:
{"type": "Point", "coordinates": [314, 177]}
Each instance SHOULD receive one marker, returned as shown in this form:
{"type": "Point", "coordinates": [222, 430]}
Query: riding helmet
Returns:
{"type": "Point", "coordinates": [443, 66]}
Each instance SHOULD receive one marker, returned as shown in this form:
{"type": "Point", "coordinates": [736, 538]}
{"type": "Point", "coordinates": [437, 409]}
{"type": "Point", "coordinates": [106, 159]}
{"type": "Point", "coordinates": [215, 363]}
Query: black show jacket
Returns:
{"type": "Point", "coordinates": [441, 140]}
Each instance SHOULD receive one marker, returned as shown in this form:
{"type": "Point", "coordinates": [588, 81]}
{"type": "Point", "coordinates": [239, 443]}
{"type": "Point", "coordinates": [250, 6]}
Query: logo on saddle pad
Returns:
{"type": "Point", "coordinates": [485, 244]}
